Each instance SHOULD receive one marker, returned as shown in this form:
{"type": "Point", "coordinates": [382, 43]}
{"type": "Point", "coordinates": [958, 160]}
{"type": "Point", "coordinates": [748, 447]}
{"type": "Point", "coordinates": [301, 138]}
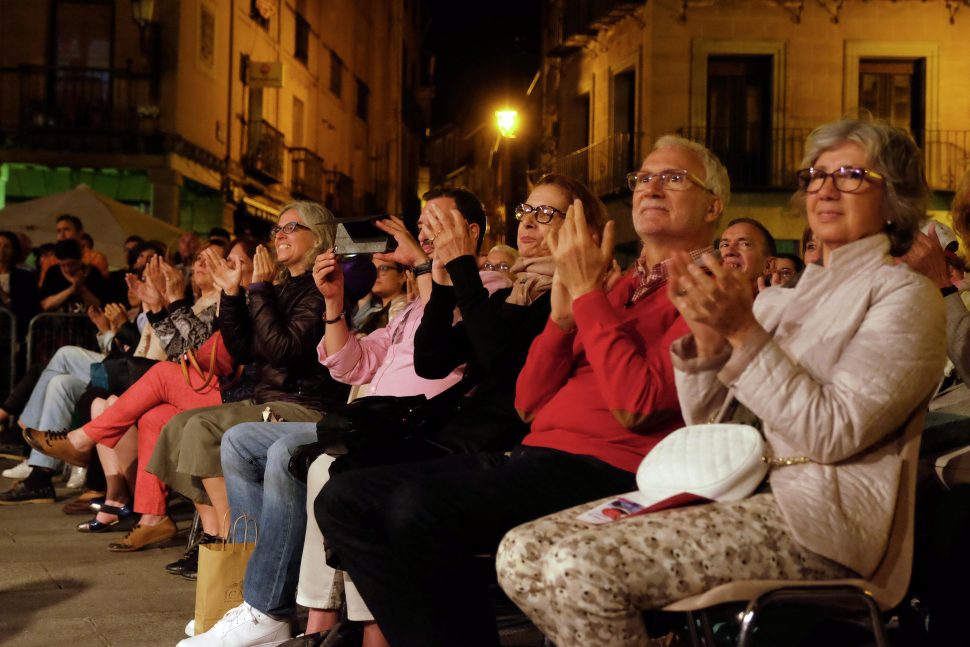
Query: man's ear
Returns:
{"type": "Point", "coordinates": [475, 230]}
{"type": "Point", "coordinates": [714, 210]}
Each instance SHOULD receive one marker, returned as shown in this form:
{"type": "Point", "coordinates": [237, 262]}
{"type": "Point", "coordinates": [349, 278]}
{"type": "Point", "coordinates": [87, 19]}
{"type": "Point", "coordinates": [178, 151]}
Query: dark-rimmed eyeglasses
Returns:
{"type": "Point", "coordinates": [673, 179]}
{"type": "Point", "coordinates": [388, 268]}
{"type": "Point", "coordinates": [496, 267]}
{"type": "Point", "coordinates": [846, 179]}
{"type": "Point", "coordinates": [543, 213]}
{"type": "Point", "coordinates": [288, 228]}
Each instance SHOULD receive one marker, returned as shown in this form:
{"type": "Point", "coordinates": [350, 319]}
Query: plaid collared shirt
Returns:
{"type": "Point", "coordinates": [649, 279]}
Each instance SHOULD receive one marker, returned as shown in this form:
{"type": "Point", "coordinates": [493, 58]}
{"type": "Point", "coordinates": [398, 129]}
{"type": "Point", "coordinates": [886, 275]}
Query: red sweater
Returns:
{"type": "Point", "coordinates": [607, 389]}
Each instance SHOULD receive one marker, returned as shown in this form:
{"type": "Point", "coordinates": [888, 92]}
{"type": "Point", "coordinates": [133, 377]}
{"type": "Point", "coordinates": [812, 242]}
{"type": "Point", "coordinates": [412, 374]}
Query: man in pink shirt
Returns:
{"type": "Point", "coordinates": [255, 456]}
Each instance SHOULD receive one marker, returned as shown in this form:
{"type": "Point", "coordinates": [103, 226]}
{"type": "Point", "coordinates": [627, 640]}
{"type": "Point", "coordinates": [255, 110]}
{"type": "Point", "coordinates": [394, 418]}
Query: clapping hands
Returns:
{"type": "Point", "coordinates": [226, 273]}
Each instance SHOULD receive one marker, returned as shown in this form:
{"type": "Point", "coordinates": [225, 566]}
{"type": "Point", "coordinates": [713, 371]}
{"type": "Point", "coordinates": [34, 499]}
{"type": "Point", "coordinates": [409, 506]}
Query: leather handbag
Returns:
{"type": "Point", "coordinates": [216, 363]}
{"type": "Point", "coordinates": [381, 429]}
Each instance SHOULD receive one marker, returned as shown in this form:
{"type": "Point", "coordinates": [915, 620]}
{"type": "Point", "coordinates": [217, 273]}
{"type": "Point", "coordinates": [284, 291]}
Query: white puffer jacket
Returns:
{"type": "Point", "coordinates": [853, 349]}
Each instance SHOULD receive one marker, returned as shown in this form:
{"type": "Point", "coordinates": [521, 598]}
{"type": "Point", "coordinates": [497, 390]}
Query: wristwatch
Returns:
{"type": "Point", "coordinates": [423, 268]}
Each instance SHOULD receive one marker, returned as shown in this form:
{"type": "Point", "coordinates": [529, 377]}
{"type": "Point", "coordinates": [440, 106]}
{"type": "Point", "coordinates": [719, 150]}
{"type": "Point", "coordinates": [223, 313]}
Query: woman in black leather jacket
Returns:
{"type": "Point", "coordinates": [273, 328]}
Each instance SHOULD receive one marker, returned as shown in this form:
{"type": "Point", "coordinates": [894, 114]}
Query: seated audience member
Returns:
{"type": "Point", "coordinates": [178, 327]}
{"type": "Point", "coordinates": [256, 455]}
{"type": "Point", "coordinates": [117, 287]}
{"type": "Point", "coordinates": [175, 320]}
{"type": "Point", "coordinates": [151, 402]}
{"type": "Point", "coordinates": [64, 381]}
{"type": "Point", "coordinates": [811, 249]}
{"type": "Point", "coordinates": [71, 285]}
{"type": "Point", "coordinates": [187, 249]}
{"type": "Point", "coordinates": [270, 328]}
{"type": "Point", "coordinates": [747, 246]}
{"type": "Point", "coordinates": [782, 268]}
{"type": "Point", "coordinates": [500, 258]}
{"type": "Point", "coordinates": [68, 227]}
{"type": "Point", "coordinates": [90, 256]}
{"type": "Point", "coordinates": [598, 389]}
{"type": "Point", "coordinates": [387, 297]}
{"type": "Point", "coordinates": [50, 405]}
{"type": "Point", "coordinates": [18, 291]}
{"type": "Point", "coordinates": [219, 235]}
{"type": "Point", "coordinates": [493, 337]}
{"type": "Point", "coordinates": [842, 401]}
{"type": "Point", "coordinates": [43, 256]}
{"type": "Point", "coordinates": [956, 268]}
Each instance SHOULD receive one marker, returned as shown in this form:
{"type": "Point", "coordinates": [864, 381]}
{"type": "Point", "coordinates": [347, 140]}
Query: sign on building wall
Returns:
{"type": "Point", "coordinates": [206, 55]}
{"type": "Point", "coordinates": [264, 75]}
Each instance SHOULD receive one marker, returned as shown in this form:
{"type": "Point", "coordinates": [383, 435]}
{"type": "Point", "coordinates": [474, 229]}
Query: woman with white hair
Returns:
{"type": "Point", "coordinates": [824, 387]}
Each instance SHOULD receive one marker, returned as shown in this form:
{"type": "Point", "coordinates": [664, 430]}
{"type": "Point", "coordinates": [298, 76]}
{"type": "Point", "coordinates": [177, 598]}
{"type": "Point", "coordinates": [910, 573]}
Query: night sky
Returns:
{"type": "Point", "coordinates": [485, 52]}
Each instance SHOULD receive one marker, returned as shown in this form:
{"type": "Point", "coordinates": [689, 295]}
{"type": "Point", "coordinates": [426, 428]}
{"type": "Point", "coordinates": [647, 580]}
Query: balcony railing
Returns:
{"type": "Point", "coordinates": [265, 151]}
{"type": "Point", "coordinates": [603, 166]}
{"type": "Point", "coordinates": [307, 174]}
{"type": "Point", "coordinates": [76, 107]}
{"type": "Point", "coordinates": [339, 193]}
{"type": "Point", "coordinates": [947, 154]}
{"type": "Point", "coordinates": [755, 158]}
{"type": "Point", "coordinates": [753, 163]}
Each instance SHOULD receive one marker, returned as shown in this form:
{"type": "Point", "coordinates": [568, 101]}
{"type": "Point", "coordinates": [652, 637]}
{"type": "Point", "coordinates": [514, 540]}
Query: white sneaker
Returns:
{"type": "Point", "coordinates": [20, 471]}
{"type": "Point", "coordinates": [78, 474]}
{"type": "Point", "coordinates": [243, 626]}
{"type": "Point", "coordinates": [190, 628]}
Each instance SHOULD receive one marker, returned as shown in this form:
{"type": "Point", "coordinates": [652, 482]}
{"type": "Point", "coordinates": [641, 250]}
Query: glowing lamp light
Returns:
{"type": "Point", "coordinates": [508, 122]}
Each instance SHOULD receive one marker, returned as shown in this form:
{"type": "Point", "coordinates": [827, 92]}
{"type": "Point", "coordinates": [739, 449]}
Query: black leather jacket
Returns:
{"type": "Point", "coordinates": [276, 329]}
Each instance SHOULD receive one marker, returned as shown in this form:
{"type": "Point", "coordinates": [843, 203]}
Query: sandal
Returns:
{"type": "Point", "coordinates": [125, 520]}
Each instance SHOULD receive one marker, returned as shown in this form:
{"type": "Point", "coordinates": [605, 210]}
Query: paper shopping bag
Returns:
{"type": "Point", "coordinates": [219, 586]}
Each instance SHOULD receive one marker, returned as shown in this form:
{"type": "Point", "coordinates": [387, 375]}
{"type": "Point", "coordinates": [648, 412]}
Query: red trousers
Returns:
{"type": "Point", "coordinates": [149, 403]}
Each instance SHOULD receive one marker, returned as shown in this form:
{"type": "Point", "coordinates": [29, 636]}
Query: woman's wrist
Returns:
{"type": "Point", "coordinates": [740, 335]}
{"type": "Point", "coordinates": [231, 291]}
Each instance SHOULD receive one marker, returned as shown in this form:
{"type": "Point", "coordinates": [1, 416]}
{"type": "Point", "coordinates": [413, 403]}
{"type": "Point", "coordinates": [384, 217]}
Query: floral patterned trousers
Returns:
{"type": "Point", "coordinates": [587, 585]}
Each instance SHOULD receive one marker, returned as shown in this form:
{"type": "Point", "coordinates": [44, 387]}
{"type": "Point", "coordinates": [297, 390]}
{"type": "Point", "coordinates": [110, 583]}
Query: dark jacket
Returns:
{"type": "Point", "coordinates": [275, 329]}
{"type": "Point", "coordinates": [493, 337]}
{"type": "Point", "coordinates": [24, 301]}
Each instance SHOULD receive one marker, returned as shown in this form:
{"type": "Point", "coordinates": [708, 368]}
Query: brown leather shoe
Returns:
{"type": "Point", "coordinates": [145, 536]}
{"type": "Point", "coordinates": [56, 445]}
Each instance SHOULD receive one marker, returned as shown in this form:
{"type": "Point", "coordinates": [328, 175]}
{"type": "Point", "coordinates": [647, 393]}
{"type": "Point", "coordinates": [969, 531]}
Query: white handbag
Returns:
{"type": "Point", "coordinates": [714, 462]}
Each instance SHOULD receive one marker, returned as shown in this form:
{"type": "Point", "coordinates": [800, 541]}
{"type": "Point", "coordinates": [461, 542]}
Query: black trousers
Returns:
{"type": "Point", "coordinates": [407, 534]}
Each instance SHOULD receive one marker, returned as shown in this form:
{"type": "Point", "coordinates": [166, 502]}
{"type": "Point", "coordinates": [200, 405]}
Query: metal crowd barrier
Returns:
{"type": "Point", "coordinates": [8, 352]}
{"type": "Point", "coordinates": [50, 331]}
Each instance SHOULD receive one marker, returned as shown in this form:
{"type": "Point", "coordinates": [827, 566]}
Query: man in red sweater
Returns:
{"type": "Point", "coordinates": [598, 389]}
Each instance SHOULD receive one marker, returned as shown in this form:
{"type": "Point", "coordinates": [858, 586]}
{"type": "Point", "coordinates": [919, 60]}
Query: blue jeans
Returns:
{"type": "Point", "coordinates": [255, 457]}
{"type": "Point", "coordinates": [51, 403]}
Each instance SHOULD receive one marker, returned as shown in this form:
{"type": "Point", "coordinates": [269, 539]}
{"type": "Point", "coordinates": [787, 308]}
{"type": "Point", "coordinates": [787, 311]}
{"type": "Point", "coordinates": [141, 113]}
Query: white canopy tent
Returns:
{"type": "Point", "coordinates": [108, 221]}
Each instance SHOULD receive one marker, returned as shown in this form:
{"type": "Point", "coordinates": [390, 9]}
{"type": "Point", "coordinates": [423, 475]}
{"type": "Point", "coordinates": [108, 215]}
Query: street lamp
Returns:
{"type": "Point", "coordinates": [507, 121]}
{"type": "Point", "coordinates": [143, 11]}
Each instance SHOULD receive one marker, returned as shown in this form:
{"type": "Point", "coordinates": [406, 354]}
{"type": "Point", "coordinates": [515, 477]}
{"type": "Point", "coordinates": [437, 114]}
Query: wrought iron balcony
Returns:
{"type": "Point", "coordinates": [758, 161]}
{"type": "Point", "coordinates": [78, 108]}
{"type": "Point", "coordinates": [603, 166]}
{"type": "Point", "coordinates": [265, 151]}
{"type": "Point", "coordinates": [947, 154]}
{"type": "Point", "coordinates": [755, 158]}
{"type": "Point", "coordinates": [307, 174]}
